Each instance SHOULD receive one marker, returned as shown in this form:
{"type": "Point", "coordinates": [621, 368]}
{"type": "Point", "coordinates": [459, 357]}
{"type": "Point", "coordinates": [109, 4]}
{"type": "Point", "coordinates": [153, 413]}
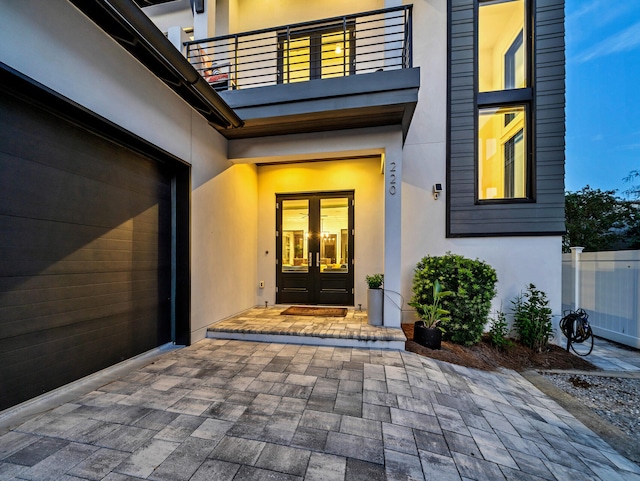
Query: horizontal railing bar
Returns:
{"type": "Point", "coordinates": [305, 24]}
{"type": "Point", "coordinates": [366, 42]}
{"type": "Point", "coordinates": [385, 33]}
{"type": "Point", "coordinates": [358, 39]}
{"type": "Point", "coordinates": [295, 55]}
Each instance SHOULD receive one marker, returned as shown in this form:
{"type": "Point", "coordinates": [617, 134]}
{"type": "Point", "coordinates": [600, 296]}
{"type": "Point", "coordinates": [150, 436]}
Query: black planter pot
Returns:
{"type": "Point", "coordinates": [430, 337]}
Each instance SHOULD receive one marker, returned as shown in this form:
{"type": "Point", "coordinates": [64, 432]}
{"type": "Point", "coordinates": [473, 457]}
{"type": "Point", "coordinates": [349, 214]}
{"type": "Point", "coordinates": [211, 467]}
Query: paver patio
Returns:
{"type": "Point", "coordinates": [223, 410]}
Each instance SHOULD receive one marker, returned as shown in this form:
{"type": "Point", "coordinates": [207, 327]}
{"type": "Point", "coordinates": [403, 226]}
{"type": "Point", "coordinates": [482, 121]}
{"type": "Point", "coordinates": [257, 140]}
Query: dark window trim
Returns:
{"type": "Point", "coordinates": [461, 100]}
{"type": "Point", "coordinates": [528, 137]}
{"type": "Point", "coordinates": [504, 97]}
{"type": "Point", "coordinates": [509, 62]}
{"type": "Point", "coordinates": [509, 163]}
{"type": "Point", "coordinates": [510, 97]}
{"type": "Point", "coordinates": [315, 46]}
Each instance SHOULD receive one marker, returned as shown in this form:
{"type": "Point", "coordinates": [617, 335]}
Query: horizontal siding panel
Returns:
{"type": "Point", "coordinates": [104, 204]}
{"type": "Point", "coordinates": [79, 310]}
{"type": "Point", "coordinates": [141, 281]}
{"type": "Point", "coordinates": [546, 214]}
{"type": "Point", "coordinates": [35, 372]}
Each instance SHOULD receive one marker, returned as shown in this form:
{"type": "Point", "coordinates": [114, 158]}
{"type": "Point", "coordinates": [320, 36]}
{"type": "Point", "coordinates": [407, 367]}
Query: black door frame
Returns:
{"type": "Point", "coordinates": [314, 286]}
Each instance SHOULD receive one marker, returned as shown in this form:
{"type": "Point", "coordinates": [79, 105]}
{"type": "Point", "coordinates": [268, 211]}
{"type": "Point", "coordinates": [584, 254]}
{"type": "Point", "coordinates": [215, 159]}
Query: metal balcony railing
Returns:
{"type": "Point", "coordinates": [367, 42]}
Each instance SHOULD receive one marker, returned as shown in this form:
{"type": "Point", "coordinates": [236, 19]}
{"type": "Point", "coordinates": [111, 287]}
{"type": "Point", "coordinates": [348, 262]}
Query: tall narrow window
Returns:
{"type": "Point", "coordinates": [502, 166]}
{"type": "Point", "coordinates": [504, 169]}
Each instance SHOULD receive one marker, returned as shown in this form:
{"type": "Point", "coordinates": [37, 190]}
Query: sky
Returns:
{"type": "Point", "coordinates": [603, 93]}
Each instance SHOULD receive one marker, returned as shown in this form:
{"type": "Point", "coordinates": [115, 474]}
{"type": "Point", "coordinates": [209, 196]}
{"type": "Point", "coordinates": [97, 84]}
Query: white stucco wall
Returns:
{"type": "Point", "coordinates": [373, 254]}
{"type": "Point", "coordinates": [170, 14]}
{"type": "Point", "coordinates": [224, 232]}
{"type": "Point", "coordinates": [257, 14]}
{"type": "Point", "coordinates": [56, 45]}
{"type": "Point", "coordinates": [517, 260]}
{"type": "Point", "coordinates": [229, 230]}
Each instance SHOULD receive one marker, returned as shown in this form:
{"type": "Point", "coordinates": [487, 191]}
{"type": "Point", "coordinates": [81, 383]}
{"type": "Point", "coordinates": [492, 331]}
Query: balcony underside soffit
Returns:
{"type": "Point", "coordinates": [369, 100]}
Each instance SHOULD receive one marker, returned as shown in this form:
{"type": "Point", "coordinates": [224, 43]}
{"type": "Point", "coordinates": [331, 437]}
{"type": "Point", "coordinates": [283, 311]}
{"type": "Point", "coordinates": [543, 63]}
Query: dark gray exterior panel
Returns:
{"type": "Point", "coordinates": [544, 215]}
{"type": "Point", "coordinates": [86, 236]}
{"type": "Point", "coordinates": [356, 101]}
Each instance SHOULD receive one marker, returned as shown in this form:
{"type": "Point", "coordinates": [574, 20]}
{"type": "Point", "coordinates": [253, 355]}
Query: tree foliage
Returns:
{"type": "Point", "coordinates": [598, 220]}
{"type": "Point", "coordinates": [633, 192]}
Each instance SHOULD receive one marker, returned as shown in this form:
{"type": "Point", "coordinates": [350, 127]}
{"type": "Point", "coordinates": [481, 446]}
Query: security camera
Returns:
{"type": "Point", "coordinates": [437, 189]}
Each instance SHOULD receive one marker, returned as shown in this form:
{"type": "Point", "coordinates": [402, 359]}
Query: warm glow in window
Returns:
{"type": "Point", "coordinates": [501, 46]}
{"type": "Point", "coordinates": [502, 167]}
{"type": "Point", "coordinates": [322, 53]}
{"type": "Point", "coordinates": [335, 55]}
{"type": "Point", "coordinates": [297, 60]}
{"type": "Point", "coordinates": [295, 235]}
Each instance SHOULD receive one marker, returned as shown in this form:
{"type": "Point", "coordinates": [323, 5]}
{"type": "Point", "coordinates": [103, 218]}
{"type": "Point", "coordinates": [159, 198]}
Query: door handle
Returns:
{"type": "Point", "coordinates": [318, 259]}
{"type": "Point", "coordinates": [310, 259]}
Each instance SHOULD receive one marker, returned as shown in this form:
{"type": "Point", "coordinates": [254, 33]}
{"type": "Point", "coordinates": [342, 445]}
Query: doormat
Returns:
{"type": "Point", "coordinates": [315, 311]}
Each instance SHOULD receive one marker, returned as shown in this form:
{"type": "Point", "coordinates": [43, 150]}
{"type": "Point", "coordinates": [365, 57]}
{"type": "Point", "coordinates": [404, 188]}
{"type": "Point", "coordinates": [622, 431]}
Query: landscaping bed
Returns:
{"type": "Point", "coordinates": [485, 356]}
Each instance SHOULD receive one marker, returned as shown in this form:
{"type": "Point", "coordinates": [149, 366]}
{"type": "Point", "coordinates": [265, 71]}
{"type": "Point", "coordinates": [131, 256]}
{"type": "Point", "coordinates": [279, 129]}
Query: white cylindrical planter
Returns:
{"type": "Point", "coordinates": [375, 304]}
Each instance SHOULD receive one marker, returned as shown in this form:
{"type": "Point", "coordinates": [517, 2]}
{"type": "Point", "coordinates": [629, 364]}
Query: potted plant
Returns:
{"type": "Point", "coordinates": [375, 299]}
{"type": "Point", "coordinates": [426, 331]}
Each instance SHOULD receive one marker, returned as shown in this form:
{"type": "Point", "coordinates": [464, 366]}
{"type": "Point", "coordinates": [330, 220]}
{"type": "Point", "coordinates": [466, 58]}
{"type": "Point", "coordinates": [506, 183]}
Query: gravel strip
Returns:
{"type": "Point", "coordinates": [616, 400]}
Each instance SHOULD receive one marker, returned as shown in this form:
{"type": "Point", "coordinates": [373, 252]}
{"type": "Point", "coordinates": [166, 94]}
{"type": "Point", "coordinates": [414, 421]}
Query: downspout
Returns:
{"type": "Point", "coordinates": [127, 13]}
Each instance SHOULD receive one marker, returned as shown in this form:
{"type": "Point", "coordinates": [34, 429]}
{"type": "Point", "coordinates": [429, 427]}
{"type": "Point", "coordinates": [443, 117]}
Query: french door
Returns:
{"type": "Point", "coordinates": [320, 52]}
{"type": "Point", "coordinates": [314, 248]}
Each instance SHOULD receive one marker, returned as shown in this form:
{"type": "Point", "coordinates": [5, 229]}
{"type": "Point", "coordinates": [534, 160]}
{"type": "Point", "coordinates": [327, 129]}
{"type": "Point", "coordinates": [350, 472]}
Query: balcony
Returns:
{"type": "Point", "coordinates": [344, 72]}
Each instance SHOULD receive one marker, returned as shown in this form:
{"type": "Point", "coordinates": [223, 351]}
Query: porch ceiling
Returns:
{"type": "Point", "coordinates": [369, 100]}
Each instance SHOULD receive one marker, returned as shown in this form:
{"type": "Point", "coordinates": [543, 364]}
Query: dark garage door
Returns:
{"type": "Point", "coordinates": [85, 252]}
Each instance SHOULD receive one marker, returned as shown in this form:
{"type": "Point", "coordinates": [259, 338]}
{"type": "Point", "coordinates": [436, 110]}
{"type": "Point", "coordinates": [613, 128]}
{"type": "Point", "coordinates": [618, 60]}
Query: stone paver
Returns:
{"type": "Point", "coordinates": [237, 410]}
{"type": "Point", "coordinates": [269, 322]}
{"type": "Point", "coordinates": [609, 356]}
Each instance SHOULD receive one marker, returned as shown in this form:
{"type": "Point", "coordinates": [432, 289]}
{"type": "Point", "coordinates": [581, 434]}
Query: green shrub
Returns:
{"type": "Point", "coordinates": [499, 331]}
{"type": "Point", "coordinates": [433, 314]}
{"type": "Point", "coordinates": [532, 318]}
{"type": "Point", "coordinates": [473, 284]}
{"type": "Point", "coordinates": [375, 281]}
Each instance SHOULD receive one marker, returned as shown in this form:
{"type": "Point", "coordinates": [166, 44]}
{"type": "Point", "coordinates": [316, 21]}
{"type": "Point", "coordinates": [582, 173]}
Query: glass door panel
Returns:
{"type": "Point", "coordinates": [335, 55]}
{"type": "Point", "coordinates": [295, 239]}
{"type": "Point", "coordinates": [322, 52]}
{"type": "Point", "coordinates": [297, 60]}
{"type": "Point", "coordinates": [334, 228]}
{"type": "Point", "coordinates": [314, 250]}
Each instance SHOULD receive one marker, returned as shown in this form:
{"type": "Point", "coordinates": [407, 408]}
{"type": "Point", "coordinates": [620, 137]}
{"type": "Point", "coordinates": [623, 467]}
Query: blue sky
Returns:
{"type": "Point", "coordinates": [603, 92]}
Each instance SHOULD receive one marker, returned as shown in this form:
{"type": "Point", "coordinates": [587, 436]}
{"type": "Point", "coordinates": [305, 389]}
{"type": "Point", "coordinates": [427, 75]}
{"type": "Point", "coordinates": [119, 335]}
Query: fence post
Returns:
{"type": "Point", "coordinates": [575, 255]}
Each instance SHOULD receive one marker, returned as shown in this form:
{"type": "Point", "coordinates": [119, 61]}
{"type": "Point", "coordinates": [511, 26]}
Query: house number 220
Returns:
{"type": "Point", "coordinates": [392, 178]}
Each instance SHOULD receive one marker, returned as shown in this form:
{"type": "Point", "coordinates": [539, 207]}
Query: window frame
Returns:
{"type": "Point", "coordinates": [315, 48]}
{"type": "Point", "coordinates": [509, 61]}
{"type": "Point", "coordinates": [509, 97]}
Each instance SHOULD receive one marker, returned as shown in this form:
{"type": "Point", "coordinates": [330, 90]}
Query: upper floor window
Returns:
{"type": "Point", "coordinates": [504, 164]}
{"type": "Point", "coordinates": [501, 46]}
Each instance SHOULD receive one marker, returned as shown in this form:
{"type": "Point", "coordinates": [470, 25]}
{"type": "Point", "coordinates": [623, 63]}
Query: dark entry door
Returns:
{"type": "Point", "coordinates": [314, 248]}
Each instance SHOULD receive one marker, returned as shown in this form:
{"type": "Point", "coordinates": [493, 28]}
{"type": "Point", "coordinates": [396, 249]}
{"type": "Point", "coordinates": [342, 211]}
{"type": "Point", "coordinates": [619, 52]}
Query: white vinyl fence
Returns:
{"type": "Point", "coordinates": [608, 289]}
